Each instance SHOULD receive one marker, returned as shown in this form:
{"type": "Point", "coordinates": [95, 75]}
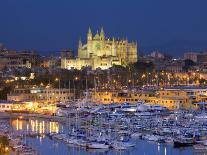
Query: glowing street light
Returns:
{"type": "Point", "coordinates": [76, 78]}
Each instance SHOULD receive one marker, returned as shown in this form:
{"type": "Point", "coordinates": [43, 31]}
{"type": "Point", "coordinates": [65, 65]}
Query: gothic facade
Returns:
{"type": "Point", "coordinates": [102, 52]}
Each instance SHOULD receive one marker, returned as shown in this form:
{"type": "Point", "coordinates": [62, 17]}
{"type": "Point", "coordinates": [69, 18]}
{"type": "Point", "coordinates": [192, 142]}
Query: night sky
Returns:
{"type": "Point", "coordinates": [171, 26]}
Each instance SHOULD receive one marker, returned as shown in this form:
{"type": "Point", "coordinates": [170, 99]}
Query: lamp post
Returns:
{"type": "Point", "coordinates": [57, 79]}
{"type": "Point", "coordinates": [75, 79]}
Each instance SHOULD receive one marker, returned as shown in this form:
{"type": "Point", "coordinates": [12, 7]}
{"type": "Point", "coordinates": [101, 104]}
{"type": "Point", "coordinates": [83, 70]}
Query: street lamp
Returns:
{"type": "Point", "coordinates": [57, 79]}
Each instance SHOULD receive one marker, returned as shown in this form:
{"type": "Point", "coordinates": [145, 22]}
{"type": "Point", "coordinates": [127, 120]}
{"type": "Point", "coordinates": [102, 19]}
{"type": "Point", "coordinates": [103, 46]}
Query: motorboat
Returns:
{"type": "Point", "coordinates": [97, 145]}
{"type": "Point", "coordinates": [203, 142]}
{"type": "Point", "coordinates": [183, 142]}
{"type": "Point", "coordinates": [200, 148]}
{"type": "Point", "coordinates": [118, 146]}
{"type": "Point", "coordinates": [136, 135]}
{"type": "Point", "coordinates": [201, 117]}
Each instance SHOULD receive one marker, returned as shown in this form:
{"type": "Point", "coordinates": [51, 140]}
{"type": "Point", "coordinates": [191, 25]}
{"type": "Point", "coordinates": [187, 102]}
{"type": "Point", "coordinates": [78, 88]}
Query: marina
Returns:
{"type": "Point", "coordinates": [103, 77]}
{"type": "Point", "coordinates": [109, 129]}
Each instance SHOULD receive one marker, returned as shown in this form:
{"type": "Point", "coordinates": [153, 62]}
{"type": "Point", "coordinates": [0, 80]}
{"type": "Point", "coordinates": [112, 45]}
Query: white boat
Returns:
{"type": "Point", "coordinates": [96, 145]}
{"type": "Point", "coordinates": [200, 148]}
{"type": "Point", "coordinates": [136, 135]}
{"type": "Point", "coordinates": [144, 114]}
{"type": "Point", "coordinates": [142, 107]}
{"type": "Point", "coordinates": [118, 146]}
{"type": "Point", "coordinates": [151, 137]}
{"type": "Point", "coordinates": [127, 144]}
{"type": "Point", "coordinates": [203, 142]}
{"type": "Point", "coordinates": [169, 140]}
{"type": "Point", "coordinates": [150, 107]}
{"type": "Point", "coordinates": [201, 117]}
{"type": "Point", "coordinates": [82, 143]}
{"type": "Point", "coordinates": [166, 130]}
{"type": "Point", "coordinates": [72, 140]}
{"type": "Point", "coordinates": [128, 108]}
{"type": "Point", "coordinates": [60, 136]}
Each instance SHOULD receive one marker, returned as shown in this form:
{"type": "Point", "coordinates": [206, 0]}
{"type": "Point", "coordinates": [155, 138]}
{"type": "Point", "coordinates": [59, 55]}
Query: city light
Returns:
{"type": "Point", "coordinates": [138, 92]}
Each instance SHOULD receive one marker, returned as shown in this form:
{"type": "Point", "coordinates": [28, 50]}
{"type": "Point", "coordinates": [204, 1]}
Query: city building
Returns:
{"type": "Point", "coordinates": [41, 94]}
{"type": "Point", "coordinates": [200, 58]}
{"type": "Point", "coordinates": [174, 66]}
{"type": "Point", "coordinates": [191, 56]}
{"type": "Point", "coordinates": [179, 98]}
{"type": "Point", "coordinates": [50, 62]}
{"type": "Point", "coordinates": [67, 54]}
{"type": "Point", "coordinates": [102, 52]}
{"type": "Point", "coordinates": [6, 105]}
{"type": "Point", "coordinates": [11, 59]}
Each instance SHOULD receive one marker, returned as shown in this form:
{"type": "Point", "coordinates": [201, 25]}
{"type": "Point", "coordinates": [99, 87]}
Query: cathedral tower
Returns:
{"type": "Point", "coordinates": [90, 35]}
{"type": "Point", "coordinates": [89, 42]}
{"type": "Point", "coordinates": [113, 48]}
{"type": "Point", "coordinates": [102, 34]}
{"type": "Point", "coordinates": [102, 39]}
{"type": "Point", "coordinates": [80, 44]}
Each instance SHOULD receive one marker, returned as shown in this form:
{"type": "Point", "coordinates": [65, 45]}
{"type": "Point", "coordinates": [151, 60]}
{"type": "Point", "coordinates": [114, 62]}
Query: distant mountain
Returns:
{"type": "Point", "coordinates": [176, 48]}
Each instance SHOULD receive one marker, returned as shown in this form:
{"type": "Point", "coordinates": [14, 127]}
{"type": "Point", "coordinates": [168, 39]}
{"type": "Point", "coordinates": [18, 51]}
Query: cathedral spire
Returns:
{"type": "Point", "coordinates": [97, 37]}
{"type": "Point", "coordinates": [90, 35]}
{"type": "Point", "coordinates": [113, 40]}
{"type": "Point", "coordinates": [80, 44]}
{"type": "Point", "coordinates": [89, 30]}
{"type": "Point", "coordinates": [102, 34]}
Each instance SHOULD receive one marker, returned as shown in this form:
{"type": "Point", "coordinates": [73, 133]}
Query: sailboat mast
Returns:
{"type": "Point", "coordinates": [69, 88]}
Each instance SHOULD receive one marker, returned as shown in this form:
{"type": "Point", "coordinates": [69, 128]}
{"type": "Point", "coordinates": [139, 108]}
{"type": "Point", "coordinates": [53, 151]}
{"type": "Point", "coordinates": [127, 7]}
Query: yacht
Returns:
{"type": "Point", "coordinates": [118, 146]}
{"type": "Point", "coordinates": [201, 117]}
{"type": "Point", "coordinates": [97, 145]}
{"type": "Point", "coordinates": [136, 135]}
{"type": "Point", "coordinates": [203, 142]}
{"type": "Point", "coordinates": [183, 142]}
{"type": "Point", "coordinates": [200, 148]}
{"type": "Point", "coordinates": [155, 138]}
{"type": "Point", "coordinates": [128, 107]}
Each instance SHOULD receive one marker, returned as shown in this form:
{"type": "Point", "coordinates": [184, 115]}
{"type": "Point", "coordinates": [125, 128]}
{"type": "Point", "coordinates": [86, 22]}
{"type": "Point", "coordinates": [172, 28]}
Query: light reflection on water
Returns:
{"type": "Point", "coordinates": [36, 125]}
{"type": "Point", "coordinates": [45, 145]}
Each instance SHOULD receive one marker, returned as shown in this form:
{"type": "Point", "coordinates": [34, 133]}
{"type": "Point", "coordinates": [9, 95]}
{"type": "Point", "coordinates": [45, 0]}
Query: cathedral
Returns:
{"type": "Point", "coordinates": [102, 52]}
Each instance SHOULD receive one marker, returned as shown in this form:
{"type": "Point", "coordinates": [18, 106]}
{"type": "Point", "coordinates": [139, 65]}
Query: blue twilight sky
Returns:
{"type": "Point", "coordinates": [171, 26]}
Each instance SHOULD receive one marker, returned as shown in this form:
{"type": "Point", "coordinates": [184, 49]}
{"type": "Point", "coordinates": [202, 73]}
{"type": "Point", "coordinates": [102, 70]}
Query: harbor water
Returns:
{"type": "Point", "coordinates": [45, 145]}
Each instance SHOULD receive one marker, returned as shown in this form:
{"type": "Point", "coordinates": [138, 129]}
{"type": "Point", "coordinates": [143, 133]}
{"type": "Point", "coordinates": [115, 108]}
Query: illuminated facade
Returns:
{"type": "Point", "coordinates": [40, 94]}
{"type": "Point", "coordinates": [101, 52]}
{"type": "Point", "coordinates": [170, 98]}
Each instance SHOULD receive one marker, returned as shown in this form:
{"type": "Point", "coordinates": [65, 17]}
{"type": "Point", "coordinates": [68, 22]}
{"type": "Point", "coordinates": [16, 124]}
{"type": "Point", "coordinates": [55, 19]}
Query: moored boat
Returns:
{"type": "Point", "coordinates": [97, 145]}
{"type": "Point", "coordinates": [183, 142]}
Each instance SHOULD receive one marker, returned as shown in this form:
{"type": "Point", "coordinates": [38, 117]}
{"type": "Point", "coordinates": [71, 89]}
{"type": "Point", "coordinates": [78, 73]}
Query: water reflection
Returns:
{"type": "Point", "coordinates": [158, 147]}
{"type": "Point", "coordinates": [35, 125]}
{"type": "Point", "coordinates": [46, 145]}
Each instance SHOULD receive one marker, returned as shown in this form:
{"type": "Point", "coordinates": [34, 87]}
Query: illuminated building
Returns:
{"type": "Point", "coordinates": [170, 98]}
{"type": "Point", "coordinates": [101, 52]}
{"type": "Point", "coordinates": [40, 94]}
{"type": "Point", "coordinates": [6, 105]}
